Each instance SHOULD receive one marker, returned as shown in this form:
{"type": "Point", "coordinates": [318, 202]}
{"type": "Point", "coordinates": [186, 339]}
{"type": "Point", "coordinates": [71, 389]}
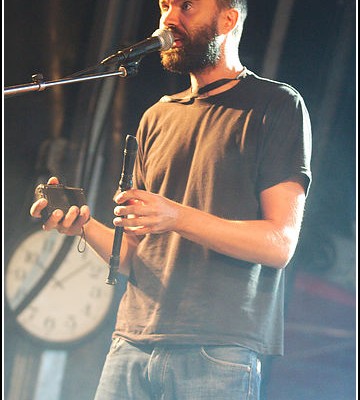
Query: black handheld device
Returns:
{"type": "Point", "coordinates": [59, 197]}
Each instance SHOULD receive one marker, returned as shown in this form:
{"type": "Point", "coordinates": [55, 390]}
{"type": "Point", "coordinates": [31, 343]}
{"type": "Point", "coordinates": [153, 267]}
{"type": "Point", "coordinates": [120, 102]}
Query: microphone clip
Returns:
{"type": "Point", "coordinates": [129, 70]}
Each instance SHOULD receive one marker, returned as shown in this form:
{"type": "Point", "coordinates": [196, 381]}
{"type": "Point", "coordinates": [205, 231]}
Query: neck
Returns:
{"type": "Point", "coordinates": [208, 75]}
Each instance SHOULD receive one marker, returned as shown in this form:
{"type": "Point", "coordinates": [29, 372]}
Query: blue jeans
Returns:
{"type": "Point", "coordinates": [179, 373]}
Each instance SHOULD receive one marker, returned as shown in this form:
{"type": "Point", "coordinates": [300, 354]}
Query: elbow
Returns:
{"type": "Point", "coordinates": [279, 260]}
{"type": "Point", "coordinates": [282, 261]}
{"type": "Point", "coordinates": [283, 251]}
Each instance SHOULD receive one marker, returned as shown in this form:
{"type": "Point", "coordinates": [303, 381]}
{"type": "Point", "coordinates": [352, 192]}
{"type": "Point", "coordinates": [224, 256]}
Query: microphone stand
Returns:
{"type": "Point", "coordinates": [39, 84]}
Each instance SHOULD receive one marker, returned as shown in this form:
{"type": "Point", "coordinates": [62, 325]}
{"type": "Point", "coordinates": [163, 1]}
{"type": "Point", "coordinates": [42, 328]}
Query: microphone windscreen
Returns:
{"type": "Point", "coordinates": [166, 38]}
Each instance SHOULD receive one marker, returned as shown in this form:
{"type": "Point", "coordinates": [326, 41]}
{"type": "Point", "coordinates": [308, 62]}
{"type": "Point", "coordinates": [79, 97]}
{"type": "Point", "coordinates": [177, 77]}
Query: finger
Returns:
{"type": "Point", "coordinates": [71, 224]}
{"type": "Point", "coordinates": [119, 211]}
{"type": "Point", "coordinates": [54, 220]}
{"type": "Point", "coordinates": [53, 181]}
{"type": "Point", "coordinates": [136, 222]}
{"type": "Point", "coordinates": [137, 209]}
{"type": "Point", "coordinates": [82, 218]}
{"type": "Point", "coordinates": [37, 207]}
{"type": "Point", "coordinates": [133, 194]}
{"type": "Point", "coordinates": [84, 213]}
{"type": "Point", "coordinates": [127, 222]}
{"type": "Point", "coordinates": [70, 217]}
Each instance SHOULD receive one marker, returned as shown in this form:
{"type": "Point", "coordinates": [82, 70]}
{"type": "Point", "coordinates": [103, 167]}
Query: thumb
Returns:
{"type": "Point", "coordinates": [53, 181]}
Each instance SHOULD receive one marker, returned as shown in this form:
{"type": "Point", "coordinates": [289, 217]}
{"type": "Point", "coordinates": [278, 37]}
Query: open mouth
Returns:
{"type": "Point", "coordinates": [178, 42]}
{"type": "Point", "coordinates": [179, 39]}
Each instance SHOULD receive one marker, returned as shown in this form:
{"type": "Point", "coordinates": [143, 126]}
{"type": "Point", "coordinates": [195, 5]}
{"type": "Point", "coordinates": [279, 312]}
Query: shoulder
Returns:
{"type": "Point", "coordinates": [271, 90]}
{"type": "Point", "coordinates": [164, 108]}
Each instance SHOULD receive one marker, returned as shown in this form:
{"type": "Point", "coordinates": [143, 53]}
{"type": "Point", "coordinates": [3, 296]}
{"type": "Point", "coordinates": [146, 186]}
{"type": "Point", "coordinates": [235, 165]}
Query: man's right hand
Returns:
{"type": "Point", "coordinates": [70, 224]}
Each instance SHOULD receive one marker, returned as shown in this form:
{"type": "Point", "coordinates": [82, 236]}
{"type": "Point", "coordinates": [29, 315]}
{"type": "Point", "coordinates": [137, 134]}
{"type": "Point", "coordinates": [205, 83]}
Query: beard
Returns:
{"type": "Point", "coordinates": [199, 51]}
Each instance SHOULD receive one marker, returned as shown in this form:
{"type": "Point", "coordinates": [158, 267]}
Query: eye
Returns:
{"type": "Point", "coordinates": [187, 5]}
{"type": "Point", "coordinates": [164, 7]}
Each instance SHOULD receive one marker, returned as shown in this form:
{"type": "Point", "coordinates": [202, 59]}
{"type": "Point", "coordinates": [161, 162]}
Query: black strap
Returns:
{"type": "Point", "coordinates": [212, 86]}
{"type": "Point", "coordinates": [205, 89]}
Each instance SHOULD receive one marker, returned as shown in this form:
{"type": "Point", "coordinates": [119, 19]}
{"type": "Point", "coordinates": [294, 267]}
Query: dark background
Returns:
{"type": "Point", "coordinates": [52, 132]}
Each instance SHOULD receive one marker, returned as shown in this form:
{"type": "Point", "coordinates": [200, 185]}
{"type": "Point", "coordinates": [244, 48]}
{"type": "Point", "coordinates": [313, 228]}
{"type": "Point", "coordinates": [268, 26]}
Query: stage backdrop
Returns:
{"type": "Point", "coordinates": [77, 132]}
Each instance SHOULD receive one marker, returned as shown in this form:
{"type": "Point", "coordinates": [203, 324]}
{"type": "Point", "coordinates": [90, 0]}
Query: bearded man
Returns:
{"type": "Point", "coordinates": [220, 183]}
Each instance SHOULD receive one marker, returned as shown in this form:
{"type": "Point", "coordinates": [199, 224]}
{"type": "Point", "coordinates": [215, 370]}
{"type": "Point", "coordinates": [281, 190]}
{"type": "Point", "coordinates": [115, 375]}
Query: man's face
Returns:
{"type": "Point", "coordinates": [196, 43]}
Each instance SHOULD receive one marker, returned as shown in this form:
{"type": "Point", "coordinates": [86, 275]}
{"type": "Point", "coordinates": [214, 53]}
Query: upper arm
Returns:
{"type": "Point", "coordinates": [283, 205]}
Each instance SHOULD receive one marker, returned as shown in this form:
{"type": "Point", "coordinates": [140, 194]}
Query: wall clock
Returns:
{"type": "Point", "coordinates": [56, 294]}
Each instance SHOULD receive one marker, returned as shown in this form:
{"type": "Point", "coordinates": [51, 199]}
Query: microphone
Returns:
{"type": "Point", "coordinates": [125, 183]}
{"type": "Point", "coordinates": [161, 39]}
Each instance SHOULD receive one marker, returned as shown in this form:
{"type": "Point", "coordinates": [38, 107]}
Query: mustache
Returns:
{"type": "Point", "coordinates": [179, 35]}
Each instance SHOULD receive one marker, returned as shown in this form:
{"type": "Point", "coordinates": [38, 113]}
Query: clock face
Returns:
{"type": "Point", "coordinates": [57, 300]}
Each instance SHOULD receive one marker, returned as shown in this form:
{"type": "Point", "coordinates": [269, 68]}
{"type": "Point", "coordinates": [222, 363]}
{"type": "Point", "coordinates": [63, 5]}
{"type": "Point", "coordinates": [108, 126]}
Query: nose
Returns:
{"type": "Point", "coordinates": [169, 18]}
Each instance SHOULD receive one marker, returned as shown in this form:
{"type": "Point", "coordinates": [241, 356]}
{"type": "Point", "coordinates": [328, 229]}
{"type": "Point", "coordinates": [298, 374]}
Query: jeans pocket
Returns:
{"type": "Point", "coordinates": [229, 356]}
{"type": "Point", "coordinates": [237, 369]}
{"type": "Point", "coordinates": [115, 344]}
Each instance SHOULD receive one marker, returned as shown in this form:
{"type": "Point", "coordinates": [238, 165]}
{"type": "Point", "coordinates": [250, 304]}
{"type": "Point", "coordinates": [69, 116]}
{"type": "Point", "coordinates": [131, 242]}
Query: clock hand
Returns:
{"type": "Point", "coordinates": [72, 274]}
{"type": "Point", "coordinates": [30, 280]}
{"type": "Point", "coordinates": [42, 267]}
{"type": "Point", "coordinates": [18, 308]}
{"type": "Point", "coordinates": [43, 256]}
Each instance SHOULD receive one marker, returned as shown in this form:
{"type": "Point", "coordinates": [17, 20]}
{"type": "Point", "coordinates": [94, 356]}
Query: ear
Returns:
{"type": "Point", "coordinates": [229, 20]}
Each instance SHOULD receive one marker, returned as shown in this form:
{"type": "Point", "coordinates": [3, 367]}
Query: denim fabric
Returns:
{"type": "Point", "coordinates": [179, 373]}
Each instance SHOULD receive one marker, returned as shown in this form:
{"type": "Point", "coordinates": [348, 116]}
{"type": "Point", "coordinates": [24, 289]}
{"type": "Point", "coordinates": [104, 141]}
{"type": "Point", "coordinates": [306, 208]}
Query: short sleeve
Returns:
{"type": "Point", "coordinates": [287, 143]}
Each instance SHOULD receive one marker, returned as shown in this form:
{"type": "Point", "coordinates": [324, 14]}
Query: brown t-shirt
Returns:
{"type": "Point", "coordinates": [215, 154]}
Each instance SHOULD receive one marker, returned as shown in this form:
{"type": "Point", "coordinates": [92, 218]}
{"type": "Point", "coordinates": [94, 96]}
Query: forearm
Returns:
{"type": "Point", "coordinates": [254, 241]}
{"type": "Point", "coordinates": [270, 241]}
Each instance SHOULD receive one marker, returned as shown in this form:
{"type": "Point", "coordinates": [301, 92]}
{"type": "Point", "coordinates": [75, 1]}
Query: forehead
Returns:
{"type": "Point", "coordinates": [178, 2]}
